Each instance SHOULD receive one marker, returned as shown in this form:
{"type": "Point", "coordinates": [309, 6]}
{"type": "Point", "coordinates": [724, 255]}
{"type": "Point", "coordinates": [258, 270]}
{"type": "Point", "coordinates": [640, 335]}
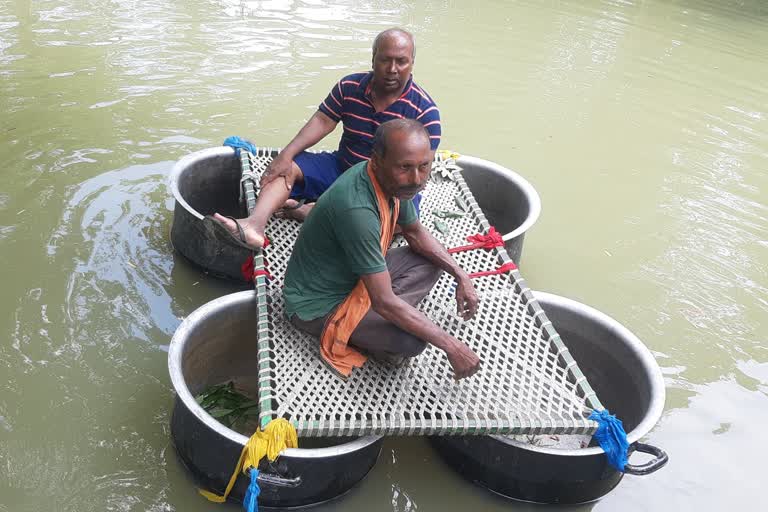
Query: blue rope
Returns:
{"type": "Point", "coordinates": [249, 503]}
{"type": "Point", "coordinates": [238, 143]}
{"type": "Point", "coordinates": [611, 437]}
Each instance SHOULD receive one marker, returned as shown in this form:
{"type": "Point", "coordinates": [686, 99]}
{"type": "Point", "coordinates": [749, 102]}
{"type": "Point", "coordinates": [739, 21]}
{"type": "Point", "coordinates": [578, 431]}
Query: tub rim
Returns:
{"type": "Point", "coordinates": [533, 197]}
{"type": "Point", "coordinates": [525, 186]}
{"type": "Point", "coordinates": [658, 389]}
{"type": "Point", "coordinates": [184, 163]}
{"type": "Point", "coordinates": [175, 353]}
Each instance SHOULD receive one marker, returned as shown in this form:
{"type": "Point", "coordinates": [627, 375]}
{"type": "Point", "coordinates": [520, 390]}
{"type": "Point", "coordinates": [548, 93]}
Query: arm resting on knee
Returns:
{"type": "Point", "coordinates": [318, 126]}
{"type": "Point", "coordinates": [421, 241]}
{"type": "Point", "coordinates": [396, 310]}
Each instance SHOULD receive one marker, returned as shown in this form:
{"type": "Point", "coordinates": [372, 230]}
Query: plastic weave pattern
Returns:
{"type": "Point", "coordinates": [528, 383]}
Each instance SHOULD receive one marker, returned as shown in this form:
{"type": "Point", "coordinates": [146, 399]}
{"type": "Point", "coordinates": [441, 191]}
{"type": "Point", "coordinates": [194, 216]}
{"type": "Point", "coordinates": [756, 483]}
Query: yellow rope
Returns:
{"type": "Point", "coordinates": [447, 153]}
{"type": "Point", "coordinates": [278, 435]}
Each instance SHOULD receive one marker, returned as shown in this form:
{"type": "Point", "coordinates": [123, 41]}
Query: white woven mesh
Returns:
{"type": "Point", "coordinates": [528, 384]}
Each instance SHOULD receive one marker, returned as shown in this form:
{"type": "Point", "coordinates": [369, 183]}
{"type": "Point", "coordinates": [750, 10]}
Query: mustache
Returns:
{"type": "Point", "coordinates": [407, 191]}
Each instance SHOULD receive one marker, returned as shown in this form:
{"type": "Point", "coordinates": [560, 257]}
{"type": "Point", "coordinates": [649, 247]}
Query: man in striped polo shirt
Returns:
{"type": "Point", "coordinates": [361, 101]}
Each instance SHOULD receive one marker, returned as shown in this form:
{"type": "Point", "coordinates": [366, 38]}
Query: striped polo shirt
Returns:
{"type": "Point", "coordinates": [350, 102]}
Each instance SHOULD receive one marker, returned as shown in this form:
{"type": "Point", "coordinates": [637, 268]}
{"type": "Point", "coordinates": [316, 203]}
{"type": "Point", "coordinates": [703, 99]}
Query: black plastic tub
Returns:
{"type": "Point", "coordinates": [208, 181]}
{"type": "Point", "coordinates": [628, 382]}
{"type": "Point", "coordinates": [216, 344]}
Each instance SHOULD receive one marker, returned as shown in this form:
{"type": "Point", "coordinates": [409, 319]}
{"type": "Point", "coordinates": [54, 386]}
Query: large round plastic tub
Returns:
{"type": "Point", "coordinates": [628, 382]}
{"type": "Point", "coordinates": [208, 181]}
{"type": "Point", "coordinates": [203, 183]}
{"type": "Point", "coordinates": [215, 344]}
{"type": "Point", "coordinates": [509, 201]}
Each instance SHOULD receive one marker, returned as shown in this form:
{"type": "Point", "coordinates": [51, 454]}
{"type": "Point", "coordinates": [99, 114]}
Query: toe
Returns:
{"type": "Point", "coordinates": [226, 222]}
{"type": "Point", "coordinates": [254, 239]}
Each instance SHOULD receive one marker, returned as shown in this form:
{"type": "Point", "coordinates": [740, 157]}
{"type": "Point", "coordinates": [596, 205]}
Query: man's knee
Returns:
{"type": "Point", "coordinates": [311, 327]}
{"type": "Point", "coordinates": [411, 346]}
{"type": "Point", "coordinates": [296, 175]}
{"type": "Point", "coordinates": [434, 273]}
{"type": "Point", "coordinates": [428, 272]}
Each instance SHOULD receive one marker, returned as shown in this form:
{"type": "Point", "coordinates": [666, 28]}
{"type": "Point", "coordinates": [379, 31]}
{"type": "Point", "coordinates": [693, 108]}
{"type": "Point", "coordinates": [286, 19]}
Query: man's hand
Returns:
{"type": "Point", "coordinates": [280, 167]}
{"type": "Point", "coordinates": [464, 362]}
{"type": "Point", "coordinates": [318, 126]}
{"type": "Point", "coordinates": [466, 298]}
{"type": "Point", "coordinates": [423, 243]}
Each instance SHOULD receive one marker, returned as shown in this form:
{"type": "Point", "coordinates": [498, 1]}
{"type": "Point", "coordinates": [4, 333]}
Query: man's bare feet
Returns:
{"type": "Point", "coordinates": [389, 358]}
{"type": "Point", "coordinates": [295, 210]}
{"type": "Point", "coordinates": [243, 230]}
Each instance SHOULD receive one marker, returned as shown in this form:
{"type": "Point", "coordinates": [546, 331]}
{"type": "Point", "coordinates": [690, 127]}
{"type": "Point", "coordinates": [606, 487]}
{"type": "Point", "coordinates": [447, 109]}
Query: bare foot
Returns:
{"type": "Point", "coordinates": [389, 358]}
{"type": "Point", "coordinates": [243, 230]}
{"type": "Point", "coordinates": [292, 209]}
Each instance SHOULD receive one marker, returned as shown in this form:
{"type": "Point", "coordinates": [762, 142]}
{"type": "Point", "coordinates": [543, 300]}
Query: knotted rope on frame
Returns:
{"type": "Point", "coordinates": [278, 435]}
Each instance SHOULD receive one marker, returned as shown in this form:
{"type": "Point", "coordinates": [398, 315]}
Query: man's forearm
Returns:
{"type": "Point", "coordinates": [318, 126]}
{"type": "Point", "coordinates": [394, 309]}
{"type": "Point", "coordinates": [423, 243]}
{"type": "Point", "coordinates": [411, 320]}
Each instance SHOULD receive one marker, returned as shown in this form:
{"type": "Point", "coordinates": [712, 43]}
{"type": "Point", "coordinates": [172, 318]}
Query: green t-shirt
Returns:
{"type": "Point", "coordinates": [337, 244]}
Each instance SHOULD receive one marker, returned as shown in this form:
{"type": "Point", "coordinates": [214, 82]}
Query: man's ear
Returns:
{"type": "Point", "coordinates": [377, 162]}
{"type": "Point", "coordinates": [374, 161]}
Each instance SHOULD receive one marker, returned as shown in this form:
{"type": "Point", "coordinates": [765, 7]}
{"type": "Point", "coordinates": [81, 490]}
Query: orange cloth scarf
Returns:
{"type": "Point", "coordinates": [334, 340]}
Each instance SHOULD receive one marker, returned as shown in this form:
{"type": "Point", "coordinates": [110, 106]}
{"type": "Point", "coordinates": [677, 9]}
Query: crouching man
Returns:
{"type": "Point", "coordinates": [342, 284]}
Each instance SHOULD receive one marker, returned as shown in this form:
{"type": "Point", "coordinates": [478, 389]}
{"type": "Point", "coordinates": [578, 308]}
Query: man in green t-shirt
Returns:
{"type": "Point", "coordinates": [339, 245]}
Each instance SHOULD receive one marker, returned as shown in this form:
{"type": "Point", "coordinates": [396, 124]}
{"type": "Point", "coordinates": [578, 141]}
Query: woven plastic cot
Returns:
{"type": "Point", "coordinates": [528, 384]}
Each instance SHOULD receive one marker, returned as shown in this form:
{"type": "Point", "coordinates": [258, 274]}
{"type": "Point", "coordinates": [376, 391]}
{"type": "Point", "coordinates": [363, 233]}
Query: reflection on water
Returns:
{"type": "Point", "coordinates": [712, 271]}
{"type": "Point", "coordinates": [711, 440]}
{"type": "Point", "coordinates": [642, 124]}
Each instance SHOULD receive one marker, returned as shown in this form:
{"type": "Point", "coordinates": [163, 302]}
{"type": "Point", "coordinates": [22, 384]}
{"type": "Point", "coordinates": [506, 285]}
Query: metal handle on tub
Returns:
{"type": "Point", "coordinates": [660, 460]}
{"type": "Point", "coordinates": [277, 480]}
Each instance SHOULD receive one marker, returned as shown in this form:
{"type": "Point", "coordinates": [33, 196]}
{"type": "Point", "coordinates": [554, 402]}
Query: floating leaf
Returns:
{"type": "Point", "coordinates": [443, 171]}
{"type": "Point", "coordinates": [461, 203]}
{"type": "Point", "coordinates": [218, 413]}
{"type": "Point", "coordinates": [447, 214]}
{"type": "Point", "coordinates": [206, 402]}
{"type": "Point", "coordinates": [248, 404]}
{"type": "Point", "coordinates": [442, 227]}
{"type": "Point", "coordinates": [446, 173]}
{"type": "Point", "coordinates": [226, 404]}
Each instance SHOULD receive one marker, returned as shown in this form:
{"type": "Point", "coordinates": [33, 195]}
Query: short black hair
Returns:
{"type": "Point", "coordinates": [381, 136]}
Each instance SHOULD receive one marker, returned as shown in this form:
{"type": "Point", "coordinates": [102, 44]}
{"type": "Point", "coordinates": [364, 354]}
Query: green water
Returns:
{"type": "Point", "coordinates": [641, 124]}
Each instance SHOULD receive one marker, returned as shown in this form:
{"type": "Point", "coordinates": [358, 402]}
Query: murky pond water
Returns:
{"type": "Point", "coordinates": [643, 125]}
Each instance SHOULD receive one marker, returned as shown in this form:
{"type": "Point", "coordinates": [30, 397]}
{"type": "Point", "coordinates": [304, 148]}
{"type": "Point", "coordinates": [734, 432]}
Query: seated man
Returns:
{"type": "Point", "coordinates": [361, 101]}
{"type": "Point", "coordinates": [342, 285]}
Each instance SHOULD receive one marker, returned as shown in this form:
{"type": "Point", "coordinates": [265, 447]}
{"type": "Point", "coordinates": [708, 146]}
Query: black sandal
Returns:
{"type": "Point", "coordinates": [222, 234]}
{"type": "Point", "coordinates": [240, 231]}
{"type": "Point", "coordinates": [284, 211]}
{"type": "Point", "coordinates": [299, 204]}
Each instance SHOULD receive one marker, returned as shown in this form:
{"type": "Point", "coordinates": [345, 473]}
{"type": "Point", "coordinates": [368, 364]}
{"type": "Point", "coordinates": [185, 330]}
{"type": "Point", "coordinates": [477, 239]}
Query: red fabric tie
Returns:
{"type": "Point", "coordinates": [480, 241]}
{"type": "Point", "coordinates": [249, 273]}
{"type": "Point", "coordinates": [504, 268]}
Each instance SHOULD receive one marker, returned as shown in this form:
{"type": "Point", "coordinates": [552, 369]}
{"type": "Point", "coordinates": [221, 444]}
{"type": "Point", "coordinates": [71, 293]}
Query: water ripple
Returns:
{"type": "Point", "coordinates": [643, 124]}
